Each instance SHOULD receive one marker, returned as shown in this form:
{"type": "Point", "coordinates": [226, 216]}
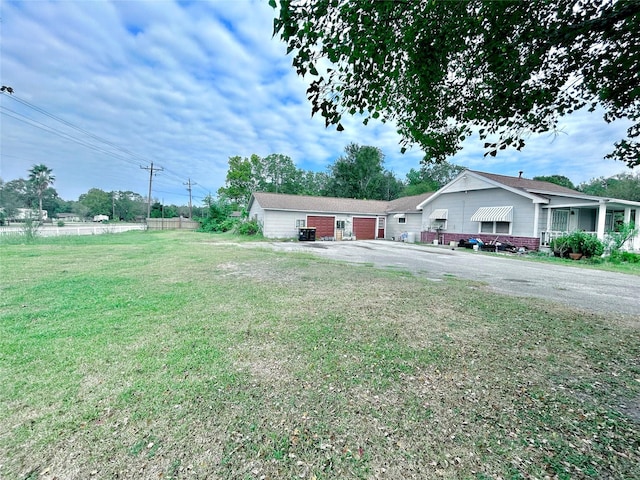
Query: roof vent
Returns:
{"type": "Point", "coordinates": [520, 174]}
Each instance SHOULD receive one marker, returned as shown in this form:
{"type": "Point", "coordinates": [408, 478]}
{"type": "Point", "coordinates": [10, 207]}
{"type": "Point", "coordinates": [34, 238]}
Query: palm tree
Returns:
{"type": "Point", "coordinates": [40, 176]}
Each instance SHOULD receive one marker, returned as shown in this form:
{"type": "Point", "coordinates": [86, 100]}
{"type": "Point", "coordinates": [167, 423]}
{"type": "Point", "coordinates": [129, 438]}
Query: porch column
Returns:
{"type": "Point", "coordinates": [536, 219]}
{"type": "Point", "coordinates": [635, 243]}
{"type": "Point", "coordinates": [549, 212]}
{"type": "Point", "coordinates": [602, 216]}
{"type": "Point", "coordinates": [627, 215]}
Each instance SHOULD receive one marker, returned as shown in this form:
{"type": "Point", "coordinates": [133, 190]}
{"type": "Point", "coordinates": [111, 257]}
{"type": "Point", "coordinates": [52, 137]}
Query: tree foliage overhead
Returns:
{"type": "Point", "coordinates": [440, 68]}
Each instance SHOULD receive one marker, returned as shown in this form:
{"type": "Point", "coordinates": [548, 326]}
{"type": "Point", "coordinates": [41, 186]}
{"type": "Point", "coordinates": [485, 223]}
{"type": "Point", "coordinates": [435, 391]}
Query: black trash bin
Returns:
{"type": "Point", "coordinates": [307, 234]}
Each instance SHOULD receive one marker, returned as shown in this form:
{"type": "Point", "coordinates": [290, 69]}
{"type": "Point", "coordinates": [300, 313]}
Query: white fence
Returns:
{"type": "Point", "coordinates": [77, 229]}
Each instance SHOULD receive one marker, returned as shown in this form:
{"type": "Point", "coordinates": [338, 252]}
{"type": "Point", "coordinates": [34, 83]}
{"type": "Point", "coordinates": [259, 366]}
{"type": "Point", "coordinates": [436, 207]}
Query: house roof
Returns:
{"type": "Point", "coordinates": [407, 204]}
{"type": "Point", "coordinates": [536, 190]}
{"type": "Point", "coordinates": [307, 203]}
{"type": "Point", "coordinates": [531, 186]}
{"type": "Point", "coordinates": [543, 189]}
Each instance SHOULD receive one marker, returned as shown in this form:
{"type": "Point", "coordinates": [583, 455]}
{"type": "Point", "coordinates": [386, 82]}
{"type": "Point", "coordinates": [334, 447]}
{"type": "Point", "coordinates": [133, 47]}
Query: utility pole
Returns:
{"type": "Point", "coordinates": [151, 171]}
{"type": "Point", "coordinates": [189, 185]}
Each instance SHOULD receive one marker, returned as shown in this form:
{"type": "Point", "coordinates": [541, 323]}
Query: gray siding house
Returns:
{"type": "Point", "coordinates": [525, 212]}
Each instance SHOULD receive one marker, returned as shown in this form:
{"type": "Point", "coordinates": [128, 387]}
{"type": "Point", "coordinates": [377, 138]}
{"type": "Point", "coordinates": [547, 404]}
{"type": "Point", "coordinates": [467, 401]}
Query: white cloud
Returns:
{"type": "Point", "coordinates": [188, 85]}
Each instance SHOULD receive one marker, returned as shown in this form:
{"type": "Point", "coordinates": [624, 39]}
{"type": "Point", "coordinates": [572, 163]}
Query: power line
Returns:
{"type": "Point", "coordinates": [75, 127]}
{"type": "Point", "coordinates": [121, 153]}
{"type": "Point", "coordinates": [66, 136]}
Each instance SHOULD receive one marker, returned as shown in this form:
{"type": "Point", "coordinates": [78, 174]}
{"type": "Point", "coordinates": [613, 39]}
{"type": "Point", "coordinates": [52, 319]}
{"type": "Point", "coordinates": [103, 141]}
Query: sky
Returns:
{"type": "Point", "coordinates": [104, 89]}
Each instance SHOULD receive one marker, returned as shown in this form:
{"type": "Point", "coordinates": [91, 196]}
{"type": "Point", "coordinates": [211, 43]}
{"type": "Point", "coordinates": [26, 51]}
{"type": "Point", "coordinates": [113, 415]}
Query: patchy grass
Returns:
{"type": "Point", "coordinates": [183, 355]}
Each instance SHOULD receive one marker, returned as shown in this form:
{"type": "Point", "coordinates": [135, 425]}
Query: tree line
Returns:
{"type": "Point", "coordinates": [37, 193]}
{"type": "Point", "coordinates": [359, 173]}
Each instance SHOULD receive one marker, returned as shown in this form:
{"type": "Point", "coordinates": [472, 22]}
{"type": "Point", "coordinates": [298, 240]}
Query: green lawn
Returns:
{"type": "Point", "coordinates": [188, 355]}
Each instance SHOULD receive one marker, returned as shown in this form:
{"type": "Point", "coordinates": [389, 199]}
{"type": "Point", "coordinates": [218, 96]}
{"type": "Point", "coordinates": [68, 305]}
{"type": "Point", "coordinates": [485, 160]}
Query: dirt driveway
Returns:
{"type": "Point", "coordinates": [590, 290]}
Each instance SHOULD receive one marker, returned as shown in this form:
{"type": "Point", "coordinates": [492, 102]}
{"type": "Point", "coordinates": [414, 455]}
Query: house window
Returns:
{"type": "Point", "coordinates": [300, 223]}
{"type": "Point", "coordinates": [502, 227]}
{"type": "Point", "coordinates": [439, 224]}
{"type": "Point", "coordinates": [560, 220]}
{"type": "Point", "coordinates": [340, 224]}
{"type": "Point", "coordinates": [486, 227]}
{"type": "Point", "coordinates": [495, 227]}
{"type": "Point", "coordinates": [402, 220]}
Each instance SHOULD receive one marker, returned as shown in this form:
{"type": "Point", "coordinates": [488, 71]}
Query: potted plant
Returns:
{"type": "Point", "coordinates": [584, 244]}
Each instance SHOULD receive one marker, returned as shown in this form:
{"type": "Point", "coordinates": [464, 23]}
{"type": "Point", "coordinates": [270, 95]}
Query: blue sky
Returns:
{"type": "Point", "coordinates": [186, 85]}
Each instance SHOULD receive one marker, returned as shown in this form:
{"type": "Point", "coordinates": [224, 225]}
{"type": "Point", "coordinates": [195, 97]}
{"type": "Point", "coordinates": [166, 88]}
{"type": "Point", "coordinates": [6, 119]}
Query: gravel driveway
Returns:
{"type": "Point", "coordinates": [590, 290]}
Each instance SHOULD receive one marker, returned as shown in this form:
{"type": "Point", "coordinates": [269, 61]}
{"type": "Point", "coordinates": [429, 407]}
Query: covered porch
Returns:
{"type": "Point", "coordinates": [596, 218]}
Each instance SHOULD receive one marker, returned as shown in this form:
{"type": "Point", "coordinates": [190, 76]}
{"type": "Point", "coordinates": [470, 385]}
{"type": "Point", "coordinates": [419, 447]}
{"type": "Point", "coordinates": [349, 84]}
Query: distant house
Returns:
{"type": "Point", "coordinates": [22, 214]}
{"type": "Point", "coordinates": [68, 217]}
{"type": "Point", "coordinates": [281, 216]}
{"type": "Point", "coordinates": [525, 212]}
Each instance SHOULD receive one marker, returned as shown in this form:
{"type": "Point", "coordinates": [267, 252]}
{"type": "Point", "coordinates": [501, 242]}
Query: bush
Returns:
{"type": "Point", "coordinates": [60, 223]}
{"type": "Point", "coordinates": [624, 257]}
{"type": "Point", "coordinates": [586, 244]}
{"type": "Point", "coordinates": [249, 227]}
{"type": "Point", "coordinates": [561, 247]}
{"type": "Point", "coordinates": [578, 242]}
{"type": "Point", "coordinates": [616, 239]}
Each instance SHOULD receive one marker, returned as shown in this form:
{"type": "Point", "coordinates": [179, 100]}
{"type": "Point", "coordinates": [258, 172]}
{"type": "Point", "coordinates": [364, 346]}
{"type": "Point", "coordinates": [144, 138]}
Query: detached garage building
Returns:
{"type": "Point", "coordinates": [281, 216]}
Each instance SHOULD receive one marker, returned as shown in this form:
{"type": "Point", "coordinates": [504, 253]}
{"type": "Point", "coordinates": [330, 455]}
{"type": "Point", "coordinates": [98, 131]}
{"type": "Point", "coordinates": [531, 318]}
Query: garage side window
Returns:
{"type": "Point", "coordinates": [402, 220]}
{"type": "Point", "coordinates": [300, 223]}
{"type": "Point", "coordinates": [340, 224]}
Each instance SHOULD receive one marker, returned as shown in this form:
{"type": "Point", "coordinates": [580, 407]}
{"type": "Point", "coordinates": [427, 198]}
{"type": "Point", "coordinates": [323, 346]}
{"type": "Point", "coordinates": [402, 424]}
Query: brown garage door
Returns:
{"type": "Point", "coordinates": [324, 225]}
{"type": "Point", "coordinates": [364, 228]}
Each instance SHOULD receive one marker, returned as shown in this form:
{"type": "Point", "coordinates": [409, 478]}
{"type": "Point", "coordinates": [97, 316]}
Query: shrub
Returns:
{"type": "Point", "coordinates": [630, 257]}
{"type": "Point", "coordinates": [60, 223]}
{"type": "Point", "coordinates": [585, 243]}
{"type": "Point", "coordinates": [30, 229]}
{"type": "Point", "coordinates": [616, 239]}
{"type": "Point", "coordinates": [561, 247]}
{"type": "Point", "coordinates": [249, 227]}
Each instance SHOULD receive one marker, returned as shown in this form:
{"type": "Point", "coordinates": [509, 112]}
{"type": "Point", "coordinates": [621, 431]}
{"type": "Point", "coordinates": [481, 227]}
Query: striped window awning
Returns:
{"type": "Point", "coordinates": [493, 214]}
{"type": "Point", "coordinates": [439, 214]}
